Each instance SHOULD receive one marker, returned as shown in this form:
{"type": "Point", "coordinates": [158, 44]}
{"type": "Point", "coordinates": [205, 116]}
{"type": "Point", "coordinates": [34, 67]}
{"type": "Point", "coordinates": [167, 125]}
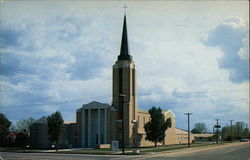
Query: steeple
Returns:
{"type": "Point", "coordinates": [124, 52]}
{"type": "Point", "coordinates": [124, 83]}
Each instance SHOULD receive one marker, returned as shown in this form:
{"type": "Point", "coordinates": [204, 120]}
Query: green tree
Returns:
{"type": "Point", "coordinates": [199, 128]}
{"type": "Point", "coordinates": [155, 129]}
{"type": "Point", "coordinates": [4, 128]}
{"type": "Point", "coordinates": [195, 131]}
{"type": "Point", "coordinates": [232, 133]}
{"type": "Point", "coordinates": [24, 124]}
{"type": "Point", "coordinates": [246, 133]}
{"type": "Point", "coordinates": [55, 125]}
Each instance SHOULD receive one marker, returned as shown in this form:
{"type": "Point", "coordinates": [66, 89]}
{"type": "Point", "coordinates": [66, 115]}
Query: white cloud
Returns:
{"type": "Point", "coordinates": [50, 109]}
{"type": "Point", "coordinates": [244, 51]}
{"type": "Point", "coordinates": [231, 36]}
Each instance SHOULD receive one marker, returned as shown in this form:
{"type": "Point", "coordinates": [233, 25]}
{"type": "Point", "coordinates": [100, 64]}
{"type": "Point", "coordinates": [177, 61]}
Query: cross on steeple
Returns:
{"type": "Point", "coordinates": [125, 8]}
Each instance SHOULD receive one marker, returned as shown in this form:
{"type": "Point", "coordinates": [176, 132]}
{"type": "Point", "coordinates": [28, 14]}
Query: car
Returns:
{"type": "Point", "coordinates": [244, 140]}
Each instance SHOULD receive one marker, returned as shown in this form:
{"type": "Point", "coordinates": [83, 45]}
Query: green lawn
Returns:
{"type": "Point", "coordinates": [172, 147]}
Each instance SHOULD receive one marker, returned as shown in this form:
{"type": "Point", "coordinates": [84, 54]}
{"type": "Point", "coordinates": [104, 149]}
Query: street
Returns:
{"type": "Point", "coordinates": [228, 152]}
{"type": "Point", "coordinates": [238, 152]}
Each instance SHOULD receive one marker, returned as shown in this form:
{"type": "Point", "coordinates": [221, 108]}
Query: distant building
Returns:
{"type": "Point", "coordinates": [203, 137]}
{"type": "Point", "coordinates": [40, 138]}
{"type": "Point", "coordinates": [99, 123]}
{"type": "Point", "coordinates": [11, 138]}
{"type": "Point", "coordinates": [181, 136]}
{"type": "Point", "coordinates": [39, 134]}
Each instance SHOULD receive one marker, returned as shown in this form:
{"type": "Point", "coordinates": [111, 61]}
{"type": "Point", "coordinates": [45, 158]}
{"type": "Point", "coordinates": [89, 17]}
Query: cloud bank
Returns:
{"type": "Point", "coordinates": [61, 57]}
{"type": "Point", "coordinates": [232, 36]}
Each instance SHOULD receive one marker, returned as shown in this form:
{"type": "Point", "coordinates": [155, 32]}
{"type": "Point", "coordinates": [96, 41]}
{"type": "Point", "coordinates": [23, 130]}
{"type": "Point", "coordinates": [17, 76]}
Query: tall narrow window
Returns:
{"type": "Point", "coordinates": [96, 139]}
{"type": "Point", "coordinates": [120, 81]}
{"type": "Point", "coordinates": [75, 132]}
{"type": "Point", "coordinates": [138, 121]}
{"type": "Point", "coordinates": [120, 92]}
{"type": "Point", "coordinates": [133, 82]}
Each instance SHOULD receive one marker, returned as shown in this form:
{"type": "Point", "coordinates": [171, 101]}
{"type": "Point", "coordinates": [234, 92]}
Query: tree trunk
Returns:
{"type": "Point", "coordinates": [155, 143]}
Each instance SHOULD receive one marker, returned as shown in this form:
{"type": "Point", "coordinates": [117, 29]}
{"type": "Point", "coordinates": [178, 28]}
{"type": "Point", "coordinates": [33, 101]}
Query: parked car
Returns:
{"type": "Point", "coordinates": [244, 140]}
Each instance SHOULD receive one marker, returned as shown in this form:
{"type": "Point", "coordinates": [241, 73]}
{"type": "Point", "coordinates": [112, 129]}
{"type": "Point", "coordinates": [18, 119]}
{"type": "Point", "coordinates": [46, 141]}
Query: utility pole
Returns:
{"type": "Point", "coordinates": [238, 126]}
{"type": "Point", "coordinates": [217, 126]}
{"type": "Point", "coordinates": [188, 114]}
{"type": "Point", "coordinates": [231, 127]}
{"type": "Point", "coordinates": [122, 113]}
{"type": "Point", "coordinates": [246, 132]}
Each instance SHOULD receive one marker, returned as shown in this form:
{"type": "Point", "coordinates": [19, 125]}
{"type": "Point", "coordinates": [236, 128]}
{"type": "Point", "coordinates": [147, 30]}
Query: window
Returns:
{"type": "Point", "coordinates": [96, 140]}
{"type": "Point", "coordinates": [102, 139]}
{"type": "Point", "coordinates": [75, 132]}
{"type": "Point", "coordinates": [120, 81]}
{"type": "Point", "coordinates": [138, 122]}
{"type": "Point", "coordinates": [143, 120]}
{"type": "Point", "coordinates": [133, 82]}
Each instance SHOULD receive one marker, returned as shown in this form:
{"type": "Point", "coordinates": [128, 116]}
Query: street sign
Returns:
{"type": "Point", "coordinates": [115, 145]}
{"type": "Point", "coordinates": [217, 126]}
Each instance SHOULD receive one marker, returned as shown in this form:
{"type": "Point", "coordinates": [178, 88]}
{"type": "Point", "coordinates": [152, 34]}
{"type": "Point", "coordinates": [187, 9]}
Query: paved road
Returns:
{"type": "Point", "coordinates": [235, 152]}
{"type": "Point", "coordinates": [230, 152]}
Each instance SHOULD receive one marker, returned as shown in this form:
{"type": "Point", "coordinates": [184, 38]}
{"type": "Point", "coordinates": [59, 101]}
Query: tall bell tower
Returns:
{"type": "Point", "coordinates": [124, 92]}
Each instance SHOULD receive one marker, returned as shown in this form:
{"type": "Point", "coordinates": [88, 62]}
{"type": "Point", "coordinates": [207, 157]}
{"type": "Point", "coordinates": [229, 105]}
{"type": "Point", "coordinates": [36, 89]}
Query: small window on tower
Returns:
{"type": "Point", "coordinates": [133, 82]}
{"type": "Point", "coordinates": [138, 122]}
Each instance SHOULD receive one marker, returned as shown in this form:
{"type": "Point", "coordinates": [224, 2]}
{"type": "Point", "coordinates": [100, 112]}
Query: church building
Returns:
{"type": "Point", "coordinates": [99, 123]}
{"type": "Point", "coordinates": [102, 123]}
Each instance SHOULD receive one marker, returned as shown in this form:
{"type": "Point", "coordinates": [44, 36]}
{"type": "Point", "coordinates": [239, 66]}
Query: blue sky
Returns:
{"type": "Point", "coordinates": [190, 56]}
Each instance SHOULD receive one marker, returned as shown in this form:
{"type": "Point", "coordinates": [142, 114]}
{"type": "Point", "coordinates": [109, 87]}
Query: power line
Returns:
{"type": "Point", "coordinates": [231, 128]}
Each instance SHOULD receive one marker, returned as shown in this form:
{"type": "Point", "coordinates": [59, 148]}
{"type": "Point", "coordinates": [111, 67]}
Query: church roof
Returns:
{"type": "Point", "coordinates": [142, 111]}
{"type": "Point", "coordinates": [124, 52]}
{"type": "Point", "coordinates": [204, 135]}
{"type": "Point", "coordinates": [168, 111]}
{"type": "Point", "coordinates": [94, 105]}
{"type": "Point", "coordinates": [181, 131]}
{"type": "Point", "coordinates": [68, 122]}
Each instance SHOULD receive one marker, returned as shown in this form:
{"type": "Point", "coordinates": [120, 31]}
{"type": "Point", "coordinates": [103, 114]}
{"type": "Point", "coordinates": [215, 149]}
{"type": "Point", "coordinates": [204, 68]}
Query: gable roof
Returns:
{"type": "Point", "coordinates": [94, 105]}
{"type": "Point", "coordinates": [168, 111]}
{"type": "Point", "coordinates": [181, 131]}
